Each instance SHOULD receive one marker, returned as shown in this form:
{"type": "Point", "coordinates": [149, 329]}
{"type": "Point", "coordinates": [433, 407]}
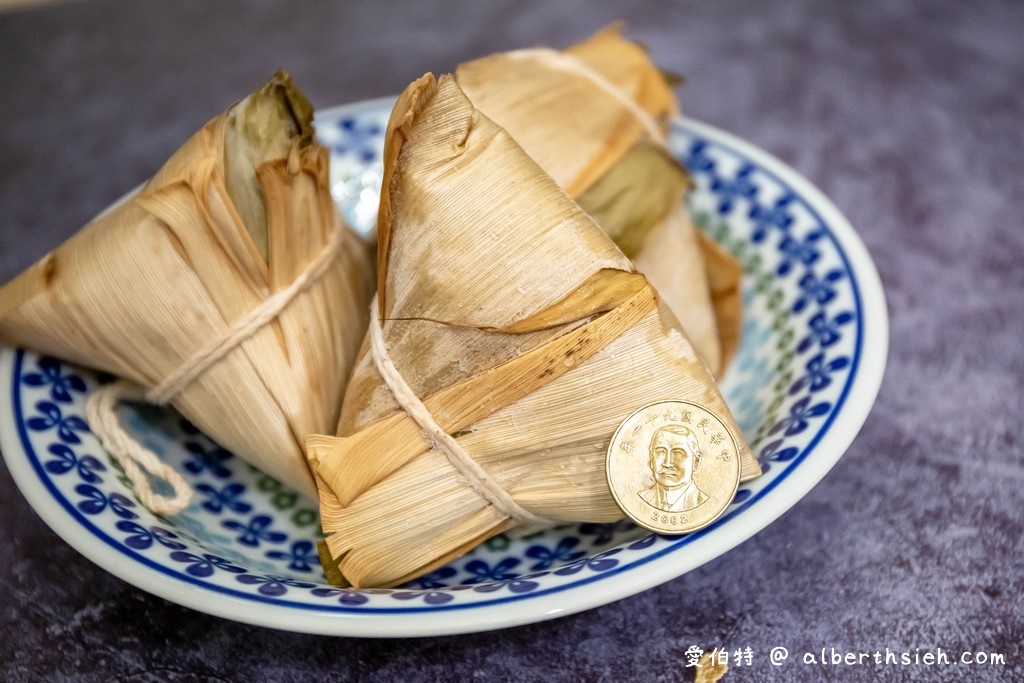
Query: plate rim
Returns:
{"type": "Point", "coordinates": [833, 438]}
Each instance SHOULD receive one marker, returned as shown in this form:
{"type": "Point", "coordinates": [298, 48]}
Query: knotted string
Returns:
{"type": "Point", "coordinates": [470, 470]}
{"type": "Point", "coordinates": [136, 459]}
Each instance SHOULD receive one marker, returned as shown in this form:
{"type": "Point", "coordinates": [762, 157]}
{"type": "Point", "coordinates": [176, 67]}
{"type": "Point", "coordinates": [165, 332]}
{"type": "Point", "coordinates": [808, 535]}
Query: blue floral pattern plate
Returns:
{"type": "Point", "coordinates": [815, 337]}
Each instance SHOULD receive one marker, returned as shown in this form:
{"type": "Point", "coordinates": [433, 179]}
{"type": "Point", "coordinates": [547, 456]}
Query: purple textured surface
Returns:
{"type": "Point", "coordinates": [910, 116]}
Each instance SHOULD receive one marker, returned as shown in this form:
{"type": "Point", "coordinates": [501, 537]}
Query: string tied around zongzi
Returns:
{"type": "Point", "coordinates": [470, 470]}
{"type": "Point", "coordinates": [523, 329]}
{"type": "Point", "coordinates": [100, 408]}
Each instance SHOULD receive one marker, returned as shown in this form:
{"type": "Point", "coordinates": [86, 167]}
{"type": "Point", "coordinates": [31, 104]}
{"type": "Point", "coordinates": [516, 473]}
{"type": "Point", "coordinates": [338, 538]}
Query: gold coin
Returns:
{"type": "Point", "coordinates": [673, 467]}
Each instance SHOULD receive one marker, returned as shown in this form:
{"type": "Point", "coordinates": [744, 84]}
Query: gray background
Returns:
{"type": "Point", "coordinates": [908, 115]}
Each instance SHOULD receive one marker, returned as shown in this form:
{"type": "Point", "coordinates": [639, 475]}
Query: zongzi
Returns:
{"type": "Point", "coordinates": [509, 338]}
{"type": "Point", "coordinates": [227, 286]}
{"type": "Point", "coordinates": [596, 118]}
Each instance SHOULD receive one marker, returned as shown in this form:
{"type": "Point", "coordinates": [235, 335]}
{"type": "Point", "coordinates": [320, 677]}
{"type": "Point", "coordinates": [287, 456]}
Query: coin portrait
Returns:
{"type": "Point", "coordinates": [673, 466]}
{"type": "Point", "coordinates": [674, 459]}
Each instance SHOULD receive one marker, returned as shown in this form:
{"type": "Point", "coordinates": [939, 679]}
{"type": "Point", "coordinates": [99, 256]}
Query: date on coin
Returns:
{"type": "Point", "coordinates": [673, 467]}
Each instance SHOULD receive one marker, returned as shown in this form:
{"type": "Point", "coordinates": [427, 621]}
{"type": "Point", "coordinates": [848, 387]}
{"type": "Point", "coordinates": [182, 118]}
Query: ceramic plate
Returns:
{"type": "Point", "coordinates": [815, 335]}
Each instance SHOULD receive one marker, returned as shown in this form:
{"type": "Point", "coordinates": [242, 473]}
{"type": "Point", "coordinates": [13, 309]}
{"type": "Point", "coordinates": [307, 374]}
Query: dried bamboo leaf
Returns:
{"type": "Point", "coordinates": [476, 239]}
{"type": "Point", "coordinates": [724, 275]}
{"type": "Point", "coordinates": [591, 123]}
{"type": "Point", "coordinates": [683, 280]}
{"type": "Point", "coordinates": [627, 65]}
{"type": "Point", "coordinates": [636, 195]}
{"type": "Point", "coordinates": [586, 124]}
{"type": "Point", "coordinates": [259, 129]}
{"type": "Point", "coordinates": [235, 215]}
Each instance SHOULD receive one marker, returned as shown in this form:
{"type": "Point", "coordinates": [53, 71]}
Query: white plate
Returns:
{"type": "Point", "coordinates": [814, 344]}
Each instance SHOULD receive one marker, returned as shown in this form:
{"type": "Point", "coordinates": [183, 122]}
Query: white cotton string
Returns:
{"type": "Point", "coordinates": [463, 462]}
{"type": "Point", "coordinates": [567, 62]}
{"type": "Point", "coordinates": [245, 327]}
{"type": "Point", "coordinates": [133, 456]}
{"type": "Point", "coordinates": [103, 422]}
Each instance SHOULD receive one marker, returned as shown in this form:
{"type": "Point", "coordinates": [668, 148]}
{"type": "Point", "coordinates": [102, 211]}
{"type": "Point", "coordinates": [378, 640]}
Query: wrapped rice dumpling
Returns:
{"type": "Point", "coordinates": [595, 117]}
{"type": "Point", "coordinates": [626, 65]}
{"type": "Point", "coordinates": [227, 286]}
{"type": "Point", "coordinates": [509, 338]}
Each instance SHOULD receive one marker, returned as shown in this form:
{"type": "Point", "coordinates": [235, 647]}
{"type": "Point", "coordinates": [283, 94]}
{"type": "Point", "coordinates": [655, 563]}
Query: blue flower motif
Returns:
{"type": "Point", "coordinates": [273, 586]}
{"type": "Point", "coordinates": [52, 417]}
{"type": "Point", "coordinates": [521, 584]}
{"type": "Point", "coordinates": [798, 251]}
{"type": "Point", "coordinates": [824, 331]}
{"type": "Point", "coordinates": [211, 459]}
{"type": "Point", "coordinates": [561, 553]}
{"type": "Point", "coordinates": [645, 542]}
{"type": "Point", "coordinates": [67, 460]}
{"type": "Point", "coordinates": [61, 385]}
{"type": "Point", "coordinates": [697, 160]}
{"type": "Point", "coordinates": [301, 558]}
{"type": "Point", "coordinates": [429, 597]}
{"type": "Point", "coordinates": [96, 502]}
{"type": "Point", "coordinates": [255, 531]}
{"type": "Point", "coordinates": [814, 289]}
{"type": "Point", "coordinates": [597, 563]}
{"type": "Point", "coordinates": [730, 190]}
{"type": "Point", "coordinates": [740, 496]}
{"type": "Point", "coordinates": [360, 137]}
{"type": "Point", "coordinates": [346, 596]}
{"type": "Point", "coordinates": [771, 452]}
{"type": "Point", "coordinates": [435, 579]}
{"type": "Point", "coordinates": [224, 499]}
{"type": "Point", "coordinates": [799, 416]}
{"type": "Point", "coordinates": [205, 565]}
{"type": "Point", "coordinates": [141, 538]}
{"type": "Point", "coordinates": [482, 571]}
{"type": "Point", "coordinates": [818, 371]}
{"type": "Point", "coordinates": [765, 218]}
